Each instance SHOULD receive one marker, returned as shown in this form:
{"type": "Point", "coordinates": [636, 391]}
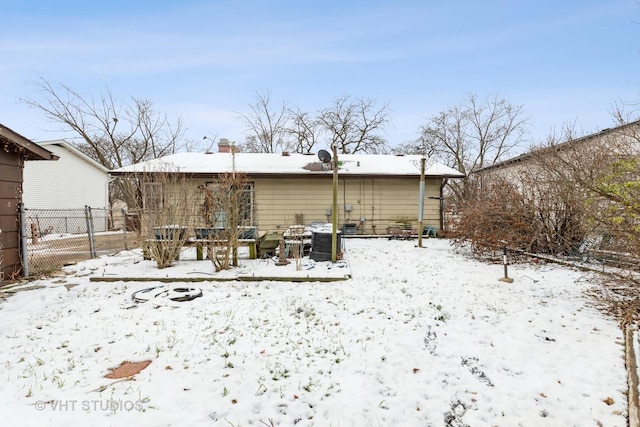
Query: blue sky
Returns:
{"type": "Point", "coordinates": [563, 61]}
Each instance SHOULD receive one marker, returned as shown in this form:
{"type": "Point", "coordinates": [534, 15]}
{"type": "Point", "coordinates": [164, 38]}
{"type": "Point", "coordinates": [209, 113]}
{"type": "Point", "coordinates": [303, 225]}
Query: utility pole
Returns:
{"type": "Point", "coordinates": [334, 206]}
{"type": "Point", "coordinates": [421, 201]}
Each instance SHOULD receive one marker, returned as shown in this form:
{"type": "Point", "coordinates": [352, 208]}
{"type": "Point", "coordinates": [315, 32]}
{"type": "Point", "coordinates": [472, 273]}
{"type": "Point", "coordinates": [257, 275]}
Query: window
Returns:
{"type": "Point", "coordinates": [153, 199]}
{"type": "Point", "coordinates": [221, 200]}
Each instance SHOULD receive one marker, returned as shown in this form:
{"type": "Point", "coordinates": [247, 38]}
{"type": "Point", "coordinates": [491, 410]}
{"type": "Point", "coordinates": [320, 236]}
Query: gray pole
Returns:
{"type": "Point", "coordinates": [334, 207]}
{"type": "Point", "coordinates": [23, 242]}
{"type": "Point", "coordinates": [124, 227]}
{"type": "Point", "coordinates": [421, 202]}
{"type": "Point", "coordinates": [92, 248]}
{"type": "Point", "coordinates": [506, 278]}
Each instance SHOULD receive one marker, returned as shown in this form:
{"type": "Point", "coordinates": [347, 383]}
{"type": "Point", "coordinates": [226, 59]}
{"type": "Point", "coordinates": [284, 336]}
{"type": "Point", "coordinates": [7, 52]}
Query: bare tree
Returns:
{"type": "Point", "coordinates": [526, 211]}
{"type": "Point", "coordinates": [111, 133]}
{"type": "Point", "coordinates": [227, 205]}
{"type": "Point", "coordinates": [353, 124]}
{"type": "Point", "coordinates": [413, 148]}
{"type": "Point", "coordinates": [167, 210]}
{"type": "Point", "coordinates": [107, 131]}
{"type": "Point", "coordinates": [496, 215]}
{"type": "Point", "coordinates": [605, 171]}
{"type": "Point", "coordinates": [266, 126]}
{"type": "Point", "coordinates": [305, 130]}
{"type": "Point", "coordinates": [570, 196]}
{"type": "Point", "coordinates": [473, 134]}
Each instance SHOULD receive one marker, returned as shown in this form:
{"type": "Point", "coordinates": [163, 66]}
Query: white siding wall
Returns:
{"type": "Point", "coordinates": [68, 183]}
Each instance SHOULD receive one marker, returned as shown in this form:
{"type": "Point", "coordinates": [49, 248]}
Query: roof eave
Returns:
{"type": "Point", "coordinates": [78, 153]}
{"type": "Point", "coordinates": [32, 150]}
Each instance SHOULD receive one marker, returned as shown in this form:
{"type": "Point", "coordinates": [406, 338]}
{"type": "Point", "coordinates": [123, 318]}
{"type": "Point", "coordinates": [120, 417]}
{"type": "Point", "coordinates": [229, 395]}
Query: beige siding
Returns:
{"type": "Point", "coordinates": [379, 201]}
{"type": "Point", "coordinates": [281, 202]}
{"type": "Point", "coordinates": [617, 140]}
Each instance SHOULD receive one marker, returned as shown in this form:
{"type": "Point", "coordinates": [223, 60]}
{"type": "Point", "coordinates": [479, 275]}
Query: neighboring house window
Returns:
{"type": "Point", "coordinates": [153, 197]}
{"type": "Point", "coordinates": [219, 214]}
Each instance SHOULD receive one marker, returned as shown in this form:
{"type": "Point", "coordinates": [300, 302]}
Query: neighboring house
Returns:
{"type": "Point", "coordinates": [526, 163]}
{"type": "Point", "coordinates": [571, 193]}
{"type": "Point", "coordinates": [14, 151]}
{"type": "Point", "coordinates": [73, 182]}
{"type": "Point", "coordinates": [374, 191]}
{"type": "Point", "coordinates": [68, 185]}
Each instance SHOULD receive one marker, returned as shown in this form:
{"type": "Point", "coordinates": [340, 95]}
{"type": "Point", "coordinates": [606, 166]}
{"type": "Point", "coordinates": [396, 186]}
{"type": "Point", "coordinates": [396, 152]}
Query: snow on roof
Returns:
{"type": "Point", "coordinates": [279, 164]}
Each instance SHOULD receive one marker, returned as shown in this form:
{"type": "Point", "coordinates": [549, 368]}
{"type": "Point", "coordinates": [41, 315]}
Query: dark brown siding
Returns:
{"type": "Point", "coordinates": [10, 197]}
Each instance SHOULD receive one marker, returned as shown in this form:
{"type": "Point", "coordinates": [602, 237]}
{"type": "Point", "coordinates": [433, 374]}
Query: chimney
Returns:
{"type": "Point", "coordinates": [223, 146]}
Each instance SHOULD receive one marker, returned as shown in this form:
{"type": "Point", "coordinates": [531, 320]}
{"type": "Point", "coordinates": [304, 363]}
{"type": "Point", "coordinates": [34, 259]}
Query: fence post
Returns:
{"type": "Point", "coordinates": [23, 241]}
{"type": "Point", "coordinates": [34, 233]}
{"type": "Point", "coordinates": [124, 227]}
{"type": "Point", "coordinates": [89, 218]}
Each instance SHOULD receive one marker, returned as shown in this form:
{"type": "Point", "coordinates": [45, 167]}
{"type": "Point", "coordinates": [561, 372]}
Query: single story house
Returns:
{"type": "Point", "coordinates": [15, 150]}
{"type": "Point", "coordinates": [564, 188]}
{"type": "Point", "coordinates": [374, 191]}
{"type": "Point", "coordinates": [607, 140]}
{"type": "Point", "coordinates": [65, 187]}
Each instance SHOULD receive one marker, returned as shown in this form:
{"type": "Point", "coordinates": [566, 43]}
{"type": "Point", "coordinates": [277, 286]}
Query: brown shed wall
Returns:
{"type": "Point", "coordinates": [11, 164]}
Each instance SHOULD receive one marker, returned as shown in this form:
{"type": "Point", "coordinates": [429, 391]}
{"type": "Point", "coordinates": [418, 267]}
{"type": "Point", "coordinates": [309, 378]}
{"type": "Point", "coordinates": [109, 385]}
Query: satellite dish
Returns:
{"type": "Point", "coordinates": [324, 156]}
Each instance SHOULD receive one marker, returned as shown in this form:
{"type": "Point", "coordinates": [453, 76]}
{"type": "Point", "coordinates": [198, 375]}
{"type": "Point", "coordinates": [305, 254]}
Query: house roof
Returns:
{"type": "Point", "coordinates": [528, 155]}
{"type": "Point", "coordinates": [31, 150]}
{"type": "Point", "coordinates": [51, 145]}
{"type": "Point", "coordinates": [293, 164]}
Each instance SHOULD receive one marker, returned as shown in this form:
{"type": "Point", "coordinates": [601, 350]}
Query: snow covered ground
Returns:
{"type": "Point", "coordinates": [417, 337]}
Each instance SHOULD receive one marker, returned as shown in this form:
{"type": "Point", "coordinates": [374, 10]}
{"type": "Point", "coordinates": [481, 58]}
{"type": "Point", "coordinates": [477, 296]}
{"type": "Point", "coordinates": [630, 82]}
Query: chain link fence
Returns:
{"type": "Point", "coordinates": [59, 237]}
